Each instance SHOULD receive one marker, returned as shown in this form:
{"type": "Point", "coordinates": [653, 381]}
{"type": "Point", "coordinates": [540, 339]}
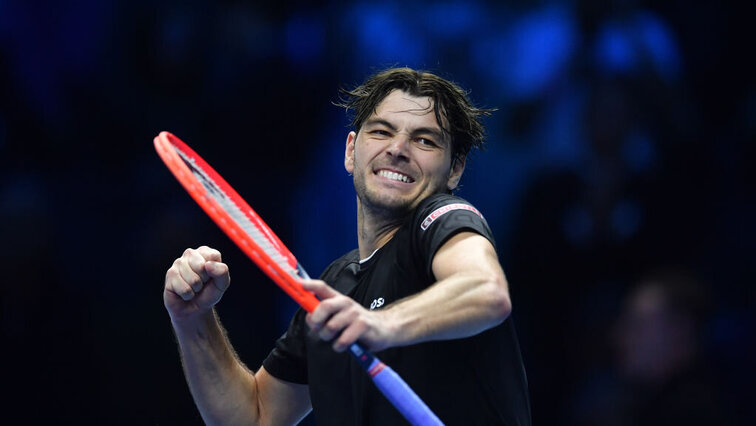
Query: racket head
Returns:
{"type": "Point", "coordinates": [234, 216]}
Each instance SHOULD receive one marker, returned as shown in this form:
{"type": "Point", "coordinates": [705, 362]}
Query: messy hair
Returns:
{"type": "Point", "coordinates": [455, 114]}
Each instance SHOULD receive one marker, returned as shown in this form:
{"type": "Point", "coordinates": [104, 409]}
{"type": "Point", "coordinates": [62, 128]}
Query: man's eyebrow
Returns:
{"type": "Point", "coordinates": [379, 121]}
{"type": "Point", "coordinates": [420, 130]}
{"type": "Point", "coordinates": [429, 131]}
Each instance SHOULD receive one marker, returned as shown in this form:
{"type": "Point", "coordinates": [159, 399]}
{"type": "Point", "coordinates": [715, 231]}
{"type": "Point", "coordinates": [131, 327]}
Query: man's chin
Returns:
{"type": "Point", "coordinates": [390, 205]}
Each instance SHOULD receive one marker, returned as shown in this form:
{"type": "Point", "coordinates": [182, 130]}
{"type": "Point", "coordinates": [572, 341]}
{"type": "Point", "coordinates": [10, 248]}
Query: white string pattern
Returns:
{"type": "Point", "coordinates": [236, 213]}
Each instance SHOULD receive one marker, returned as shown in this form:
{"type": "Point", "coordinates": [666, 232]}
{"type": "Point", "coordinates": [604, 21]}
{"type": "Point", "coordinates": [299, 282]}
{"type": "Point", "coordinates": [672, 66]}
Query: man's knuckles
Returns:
{"type": "Point", "coordinates": [181, 288]}
{"type": "Point", "coordinates": [209, 253]}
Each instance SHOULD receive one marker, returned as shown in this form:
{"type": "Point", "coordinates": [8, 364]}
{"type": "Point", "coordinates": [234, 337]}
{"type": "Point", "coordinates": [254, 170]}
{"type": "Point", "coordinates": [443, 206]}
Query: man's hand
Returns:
{"type": "Point", "coordinates": [195, 283]}
{"type": "Point", "coordinates": [341, 319]}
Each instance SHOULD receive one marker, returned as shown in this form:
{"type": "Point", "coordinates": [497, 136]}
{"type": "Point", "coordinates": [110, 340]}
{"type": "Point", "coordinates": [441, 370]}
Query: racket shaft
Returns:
{"type": "Point", "coordinates": [394, 388]}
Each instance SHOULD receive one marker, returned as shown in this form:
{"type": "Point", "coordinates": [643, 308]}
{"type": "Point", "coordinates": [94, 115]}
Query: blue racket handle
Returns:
{"type": "Point", "coordinates": [395, 389]}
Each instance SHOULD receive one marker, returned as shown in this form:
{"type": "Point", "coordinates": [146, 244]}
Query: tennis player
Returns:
{"type": "Point", "coordinates": [424, 288]}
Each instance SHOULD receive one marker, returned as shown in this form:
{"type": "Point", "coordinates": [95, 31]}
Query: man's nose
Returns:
{"type": "Point", "coordinates": [399, 145]}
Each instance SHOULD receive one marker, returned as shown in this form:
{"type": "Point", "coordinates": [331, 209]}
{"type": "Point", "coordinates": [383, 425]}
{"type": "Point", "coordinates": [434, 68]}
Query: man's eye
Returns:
{"type": "Point", "coordinates": [425, 141]}
{"type": "Point", "coordinates": [379, 132]}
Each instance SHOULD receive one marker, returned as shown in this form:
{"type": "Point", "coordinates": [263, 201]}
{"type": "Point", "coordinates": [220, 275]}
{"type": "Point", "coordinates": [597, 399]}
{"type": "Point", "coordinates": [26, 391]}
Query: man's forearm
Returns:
{"type": "Point", "coordinates": [470, 296]}
{"type": "Point", "coordinates": [459, 306]}
{"type": "Point", "coordinates": [224, 390]}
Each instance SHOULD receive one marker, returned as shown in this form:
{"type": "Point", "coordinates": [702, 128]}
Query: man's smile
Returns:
{"type": "Point", "coordinates": [394, 175]}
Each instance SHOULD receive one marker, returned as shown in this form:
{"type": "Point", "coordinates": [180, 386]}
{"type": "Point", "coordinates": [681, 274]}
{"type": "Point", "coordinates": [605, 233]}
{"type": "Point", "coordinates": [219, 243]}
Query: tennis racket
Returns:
{"type": "Point", "coordinates": [237, 219]}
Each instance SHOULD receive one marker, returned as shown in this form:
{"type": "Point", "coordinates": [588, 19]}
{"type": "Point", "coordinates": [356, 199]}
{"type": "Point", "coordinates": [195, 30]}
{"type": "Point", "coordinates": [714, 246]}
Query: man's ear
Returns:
{"type": "Point", "coordinates": [349, 152]}
{"type": "Point", "coordinates": [458, 166]}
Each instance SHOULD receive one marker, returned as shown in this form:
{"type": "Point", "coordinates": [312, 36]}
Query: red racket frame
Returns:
{"type": "Point", "coordinates": [166, 144]}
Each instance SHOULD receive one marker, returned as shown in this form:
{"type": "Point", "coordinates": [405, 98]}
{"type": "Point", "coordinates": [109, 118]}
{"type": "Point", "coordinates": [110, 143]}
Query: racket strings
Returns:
{"type": "Point", "coordinates": [236, 213]}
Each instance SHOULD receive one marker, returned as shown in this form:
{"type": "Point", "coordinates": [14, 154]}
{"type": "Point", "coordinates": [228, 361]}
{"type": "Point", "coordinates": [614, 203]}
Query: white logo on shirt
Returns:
{"type": "Point", "coordinates": [377, 303]}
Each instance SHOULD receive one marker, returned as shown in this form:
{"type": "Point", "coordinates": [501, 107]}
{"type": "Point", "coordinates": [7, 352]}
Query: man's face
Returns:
{"type": "Point", "coordinates": [401, 155]}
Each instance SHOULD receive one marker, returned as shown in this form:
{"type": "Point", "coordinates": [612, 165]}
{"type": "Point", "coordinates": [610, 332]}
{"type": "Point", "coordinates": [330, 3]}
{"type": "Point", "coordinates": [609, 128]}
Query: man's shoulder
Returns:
{"type": "Point", "coordinates": [349, 258]}
{"type": "Point", "coordinates": [438, 200]}
{"type": "Point", "coordinates": [438, 205]}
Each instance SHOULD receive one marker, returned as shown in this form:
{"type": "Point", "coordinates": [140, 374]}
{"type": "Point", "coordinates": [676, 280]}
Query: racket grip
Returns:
{"type": "Point", "coordinates": [395, 389]}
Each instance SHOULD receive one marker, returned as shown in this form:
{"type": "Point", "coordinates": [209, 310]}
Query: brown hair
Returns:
{"type": "Point", "coordinates": [450, 102]}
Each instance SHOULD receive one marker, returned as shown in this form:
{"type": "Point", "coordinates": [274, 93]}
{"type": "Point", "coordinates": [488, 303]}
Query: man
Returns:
{"type": "Point", "coordinates": [424, 287]}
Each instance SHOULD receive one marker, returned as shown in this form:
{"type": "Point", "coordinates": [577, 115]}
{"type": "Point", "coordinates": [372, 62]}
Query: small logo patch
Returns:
{"type": "Point", "coordinates": [377, 303]}
{"type": "Point", "coordinates": [446, 209]}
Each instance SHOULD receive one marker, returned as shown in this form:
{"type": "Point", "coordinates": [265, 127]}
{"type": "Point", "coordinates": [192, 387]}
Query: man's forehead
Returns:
{"type": "Point", "coordinates": [402, 104]}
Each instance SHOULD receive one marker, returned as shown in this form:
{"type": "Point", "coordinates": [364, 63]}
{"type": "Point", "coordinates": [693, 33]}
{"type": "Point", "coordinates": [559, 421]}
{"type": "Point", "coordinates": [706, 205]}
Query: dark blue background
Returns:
{"type": "Point", "coordinates": [623, 142]}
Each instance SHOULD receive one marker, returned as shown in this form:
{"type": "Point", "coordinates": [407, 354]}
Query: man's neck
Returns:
{"type": "Point", "coordinates": [375, 229]}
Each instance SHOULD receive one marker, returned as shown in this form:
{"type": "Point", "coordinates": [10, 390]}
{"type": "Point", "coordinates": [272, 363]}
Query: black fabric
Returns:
{"type": "Point", "coordinates": [476, 380]}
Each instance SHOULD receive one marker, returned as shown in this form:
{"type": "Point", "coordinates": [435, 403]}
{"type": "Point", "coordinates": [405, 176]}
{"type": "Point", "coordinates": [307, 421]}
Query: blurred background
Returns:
{"type": "Point", "coordinates": [618, 179]}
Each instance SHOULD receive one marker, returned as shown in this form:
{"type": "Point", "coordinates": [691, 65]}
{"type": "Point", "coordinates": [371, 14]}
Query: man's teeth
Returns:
{"type": "Point", "coordinates": [394, 176]}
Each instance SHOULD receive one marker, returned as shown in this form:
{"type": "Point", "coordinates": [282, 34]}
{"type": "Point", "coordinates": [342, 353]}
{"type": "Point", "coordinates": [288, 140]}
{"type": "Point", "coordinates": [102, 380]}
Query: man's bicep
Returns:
{"type": "Point", "coordinates": [281, 402]}
{"type": "Point", "coordinates": [467, 252]}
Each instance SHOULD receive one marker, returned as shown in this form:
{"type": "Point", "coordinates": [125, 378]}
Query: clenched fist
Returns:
{"type": "Point", "coordinates": [195, 283]}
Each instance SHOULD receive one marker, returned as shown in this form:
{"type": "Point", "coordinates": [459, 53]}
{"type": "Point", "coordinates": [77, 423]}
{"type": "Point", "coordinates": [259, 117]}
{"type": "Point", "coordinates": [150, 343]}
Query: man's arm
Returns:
{"type": "Point", "coordinates": [225, 391]}
{"type": "Point", "coordinates": [470, 296]}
